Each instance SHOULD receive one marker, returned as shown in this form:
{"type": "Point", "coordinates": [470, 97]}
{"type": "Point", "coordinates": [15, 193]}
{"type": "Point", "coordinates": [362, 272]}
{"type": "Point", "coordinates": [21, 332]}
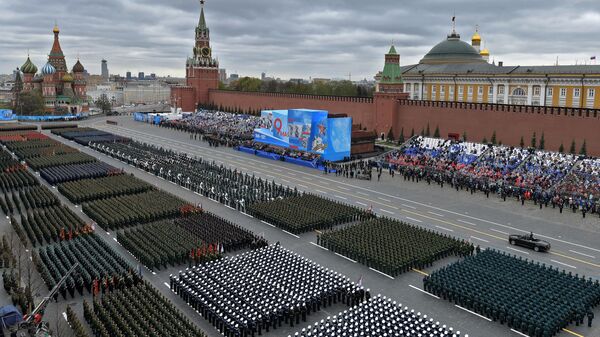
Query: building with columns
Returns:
{"type": "Point", "coordinates": [456, 71]}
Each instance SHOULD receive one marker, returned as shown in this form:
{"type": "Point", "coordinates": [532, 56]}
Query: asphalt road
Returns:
{"type": "Point", "coordinates": [575, 241]}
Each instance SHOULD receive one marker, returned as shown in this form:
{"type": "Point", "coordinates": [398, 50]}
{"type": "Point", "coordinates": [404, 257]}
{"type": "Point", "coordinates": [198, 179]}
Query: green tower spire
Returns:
{"type": "Point", "coordinates": [391, 74]}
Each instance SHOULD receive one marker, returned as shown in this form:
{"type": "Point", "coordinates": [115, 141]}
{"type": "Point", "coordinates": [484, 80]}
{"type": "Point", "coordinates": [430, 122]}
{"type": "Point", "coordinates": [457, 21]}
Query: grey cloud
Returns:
{"type": "Point", "coordinates": [292, 38]}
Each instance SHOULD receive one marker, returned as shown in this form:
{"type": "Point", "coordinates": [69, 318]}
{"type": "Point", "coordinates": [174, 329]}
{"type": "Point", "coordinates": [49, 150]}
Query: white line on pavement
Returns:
{"type": "Point", "coordinates": [361, 203]}
{"type": "Point", "coordinates": [474, 313]}
{"type": "Point", "coordinates": [303, 186]}
{"type": "Point", "coordinates": [385, 210]}
{"type": "Point", "coordinates": [246, 214]}
{"type": "Point", "coordinates": [115, 239]}
{"type": "Point", "coordinates": [576, 252]}
{"type": "Point", "coordinates": [266, 223]}
{"type": "Point", "coordinates": [476, 238]}
{"type": "Point", "coordinates": [501, 232]}
{"type": "Point", "coordinates": [321, 191]}
{"type": "Point", "coordinates": [564, 264]}
{"type": "Point", "coordinates": [345, 257]}
{"type": "Point", "coordinates": [413, 219]}
{"type": "Point", "coordinates": [338, 196]}
{"type": "Point", "coordinates": [518, 332]}
{"type": "Point", "coordinates": [65, 316]}
{"type": "Point", "coordinates": [382, 273]}
{"type": "Point", "coordinates": [517, 250]}
{"type": "Point", "coordinates": [167, 285]}
{"type": "Point", "coordinates": [361, 193]}
{"type": "Point", "coordinates": [384, 199]}
{"type": "Point", "coordinates": [467, 222]}
{"type": "Point", "coordinates": [423, 291]}
{"type": "Point", "coordinates": [444, 228]}
{"type": "Point", "coordinates": [409, 206]}
{"type": "Point", "coordinates": [294, 235]}
{"type": "Point", "coordinates": [286, 181]}
{"type": "Point", "coordinates": [343, 188]}
{"type": "Point", "coordinates": [314, 244]}
{"type": "Point", "coordinates": [230, 207]}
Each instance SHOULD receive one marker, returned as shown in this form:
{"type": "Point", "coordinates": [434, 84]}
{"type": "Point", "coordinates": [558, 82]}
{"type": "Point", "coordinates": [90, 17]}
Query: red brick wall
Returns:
{"type": "Point", "coordinates": [559, 125]}
{"type": "Point", "coordinates": [184, 97]}
{"type": "Point", "coordinates": [203, 80]}
{"type": "Point", "coordinates": [360, 109]}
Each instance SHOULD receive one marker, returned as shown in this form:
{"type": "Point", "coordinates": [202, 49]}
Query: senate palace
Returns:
{"type": "Point", "coordinates": [454, 70]}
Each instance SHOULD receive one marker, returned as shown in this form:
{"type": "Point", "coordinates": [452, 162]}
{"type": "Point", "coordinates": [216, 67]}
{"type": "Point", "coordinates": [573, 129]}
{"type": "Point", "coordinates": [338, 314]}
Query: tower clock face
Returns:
{"type": "Point", "coordinates": [206, 51]}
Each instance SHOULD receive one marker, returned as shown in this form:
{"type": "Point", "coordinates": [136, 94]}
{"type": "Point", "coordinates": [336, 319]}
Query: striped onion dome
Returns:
{"type": "Point", "coordinates": [48, 69]}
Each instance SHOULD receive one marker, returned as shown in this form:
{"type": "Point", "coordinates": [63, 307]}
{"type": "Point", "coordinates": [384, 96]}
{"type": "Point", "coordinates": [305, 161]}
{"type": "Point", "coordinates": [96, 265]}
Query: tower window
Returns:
{"type": "Point", "coordinates": [563, 92]}
{"type": "Point", "coordinates": [591, 93]}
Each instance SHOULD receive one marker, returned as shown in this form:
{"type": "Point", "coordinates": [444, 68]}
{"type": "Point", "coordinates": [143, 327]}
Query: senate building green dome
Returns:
{"type": "Point", "coordinates": [452, 50]}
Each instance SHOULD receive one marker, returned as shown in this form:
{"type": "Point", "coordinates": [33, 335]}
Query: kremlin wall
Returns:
{"type": "Point", "coordinates": [454, 73]}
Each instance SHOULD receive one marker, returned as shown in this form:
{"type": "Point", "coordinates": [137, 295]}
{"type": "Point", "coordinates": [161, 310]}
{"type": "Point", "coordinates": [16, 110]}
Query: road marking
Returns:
{"type": "Point", "coordinates": [291, 174]}
{"type": "Point", "coordinates": [444, 228]}
{"type": "Point", "coordinates": [266, 223]}
{"type": "Point", "coordinates": [276, 170]}
{"type": "Point", "coordinates": [230, 207]}
{"type": "Point", "coordinates": [246, 214]}
{"type": "Point", "coordinates": [65, 316]}
{"type": "Point", "coordinates": [343, 198]}
{"type": "Point", "coordinates": [153, 273]}
{"type": "Point", "coordinates": [409, 206]}
{"type": "Point", "coordinates": [517, 250]}
{"type": "Point", "coordinates": [198, 193]}
{"type": "Point", "coordinates": [520, 333]}
{"type": "Point", "coordinates": [576, 252]}
{"type": "Point", "coordinates": [343, 188]}
{"type": "Point", "coordinates": [314, 244]}
{"type": "Point", "coordinates": [497, 231]}
{"type": "Point", "coordinates": [467, 222]}
{"type": "Point", "coordinates": [423, 291]}
{"type": "Point", "coordinates": [419, 271]}
{"type": "Point", "coordinates": [384, 199]}
{"type": "Point", "coordinates": [345, 257]}
{"type": "Point", "coordinates": [564, 264]}
{"type": "Point", "coordinates": [436, 214]}
{"type": "Point", "coordinates": [382, 273]}
{"type": "Point", "coordinates": [476, 238]}
{"type": "Point", "coordinates": [361, 203]}
{"type": "Point", "coordinates": [115, 239]}
{"type": "Point", "coordinates": [385, 210]}
{"type": "Point", "coordinates": [321, 191]}
{"type": "Point", "coordinates": [413, 219]}
{"type": "Point", "coordinates": [572, 333]}
{"type": "Point", "coordinates": [285, 180]}
{"type": "Point", "coordinates": [294, 235]}
{"type": "Point", "coordinates": [474, 313]}
{"type": "Point", "coordinates": [361, 193]}
{"type": "Point", "coordinates": [561, 254]}
{"type": "Point", "coordinates": [303, 186]}
{"type": "Point", "coordinates": [167, 285]}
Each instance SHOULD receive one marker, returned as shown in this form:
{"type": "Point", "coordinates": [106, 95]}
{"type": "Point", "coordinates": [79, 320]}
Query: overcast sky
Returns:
{"type": "Point", "coordinates": [292, 38]}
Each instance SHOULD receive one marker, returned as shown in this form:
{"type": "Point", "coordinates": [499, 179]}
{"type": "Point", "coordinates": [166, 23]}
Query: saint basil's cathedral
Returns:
{"type": "Point", "coordinates": [64, 92]}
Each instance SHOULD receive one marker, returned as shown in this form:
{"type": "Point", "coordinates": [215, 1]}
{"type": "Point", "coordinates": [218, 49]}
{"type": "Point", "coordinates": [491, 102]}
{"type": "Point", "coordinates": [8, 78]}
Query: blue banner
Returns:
{"type": "Point", "coordinates": [339, 137]}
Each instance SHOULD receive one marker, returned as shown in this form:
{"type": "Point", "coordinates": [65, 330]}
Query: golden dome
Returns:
{"type": "Point", "coordinates": [56, 30]}
{"type": "Point", "coordinates": [476, 37]}
{"type": "Point", "coordinates": [485, 52]}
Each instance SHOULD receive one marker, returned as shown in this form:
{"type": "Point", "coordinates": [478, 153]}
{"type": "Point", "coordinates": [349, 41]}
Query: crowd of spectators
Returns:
{"type": "Point", "coordinates": [559, 179]}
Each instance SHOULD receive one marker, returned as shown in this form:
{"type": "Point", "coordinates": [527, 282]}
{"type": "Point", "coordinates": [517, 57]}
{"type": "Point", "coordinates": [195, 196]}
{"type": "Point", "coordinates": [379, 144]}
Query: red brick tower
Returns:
{"type": "Point", "coordinates": [202, 70]}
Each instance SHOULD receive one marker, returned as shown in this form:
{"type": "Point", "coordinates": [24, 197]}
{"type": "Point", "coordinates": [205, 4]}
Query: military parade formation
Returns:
{"type": "Point", "coordinates": [265, 288]}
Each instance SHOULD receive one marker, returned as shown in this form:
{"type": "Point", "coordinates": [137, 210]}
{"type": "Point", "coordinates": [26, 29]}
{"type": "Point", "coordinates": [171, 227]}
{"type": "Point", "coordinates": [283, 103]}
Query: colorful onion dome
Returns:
{"type": "Point", "coordinates": [67, 78]}
{"type": "Point", "coordinates": [78, 67]}
{"type": "Point", "coordinates": [28, 67]}
{"type": "Point", "coordinates": [48, 69]}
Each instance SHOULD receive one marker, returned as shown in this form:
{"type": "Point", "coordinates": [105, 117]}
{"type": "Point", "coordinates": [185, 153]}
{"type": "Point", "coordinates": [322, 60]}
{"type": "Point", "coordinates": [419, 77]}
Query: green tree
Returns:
{"type": "Point", "coordinates": [390, 135]}
{"type": "Point", "coordinates": [436, 133]}
{"type": "Point", "coordinates": [423, 132]}
{"type": "Point", "coordinates": [427, 132]}
{"type": "Point", "coordinates": [493, 140]}
{"type": "Point", "coordinates": [533, 140]}
{"type": "Point", "coordinates": [412, 132]}
{"type": "Point", "coordinates": [542, 142]}
{"type": "Point", "coordinates": [573, 146]}
{"type": "Point", "coordinates": [561, 148]}
{"type": "Point", "coordinates": [401, 138]}
{"type": "Point", "coordinates": [522, 142]}
{"type": "Point", "coordinates": [30, 103]}
{"type": "Point", "coordinates": [583, 150]}
{"type": "Point", "coordinates": [464, 136]}
{"type": "Point", "coordinates": [103, 103]}
{"type": "Point", "coordinates": [484, 140]}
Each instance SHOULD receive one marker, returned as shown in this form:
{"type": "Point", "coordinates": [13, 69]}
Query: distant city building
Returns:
{"type": "Point", "coordinates": [153, 76]}
{"type": "Point", "coordinates": [105, 70]}
{"type": "Point", "coordinates": [141, 75]}
{"type": "Point", "coordinates": [223, 75]}
{"type": "Point", "coordinates": [233, 77]}
{"type": "Point", "coordinates": [128, 75]}
{"type": "Point", "coordinates": [263, 76]}
{"type": "Point", "coordinates": [62, 90]}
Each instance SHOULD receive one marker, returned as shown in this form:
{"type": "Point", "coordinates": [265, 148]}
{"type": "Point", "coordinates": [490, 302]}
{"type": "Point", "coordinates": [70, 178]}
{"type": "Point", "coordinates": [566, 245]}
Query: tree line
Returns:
{"type": "Point", "coordinates": [326, 88]}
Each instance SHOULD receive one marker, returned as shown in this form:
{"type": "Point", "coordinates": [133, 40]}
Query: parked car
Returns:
{"type": "Point", "coordinates": [529, 241]}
